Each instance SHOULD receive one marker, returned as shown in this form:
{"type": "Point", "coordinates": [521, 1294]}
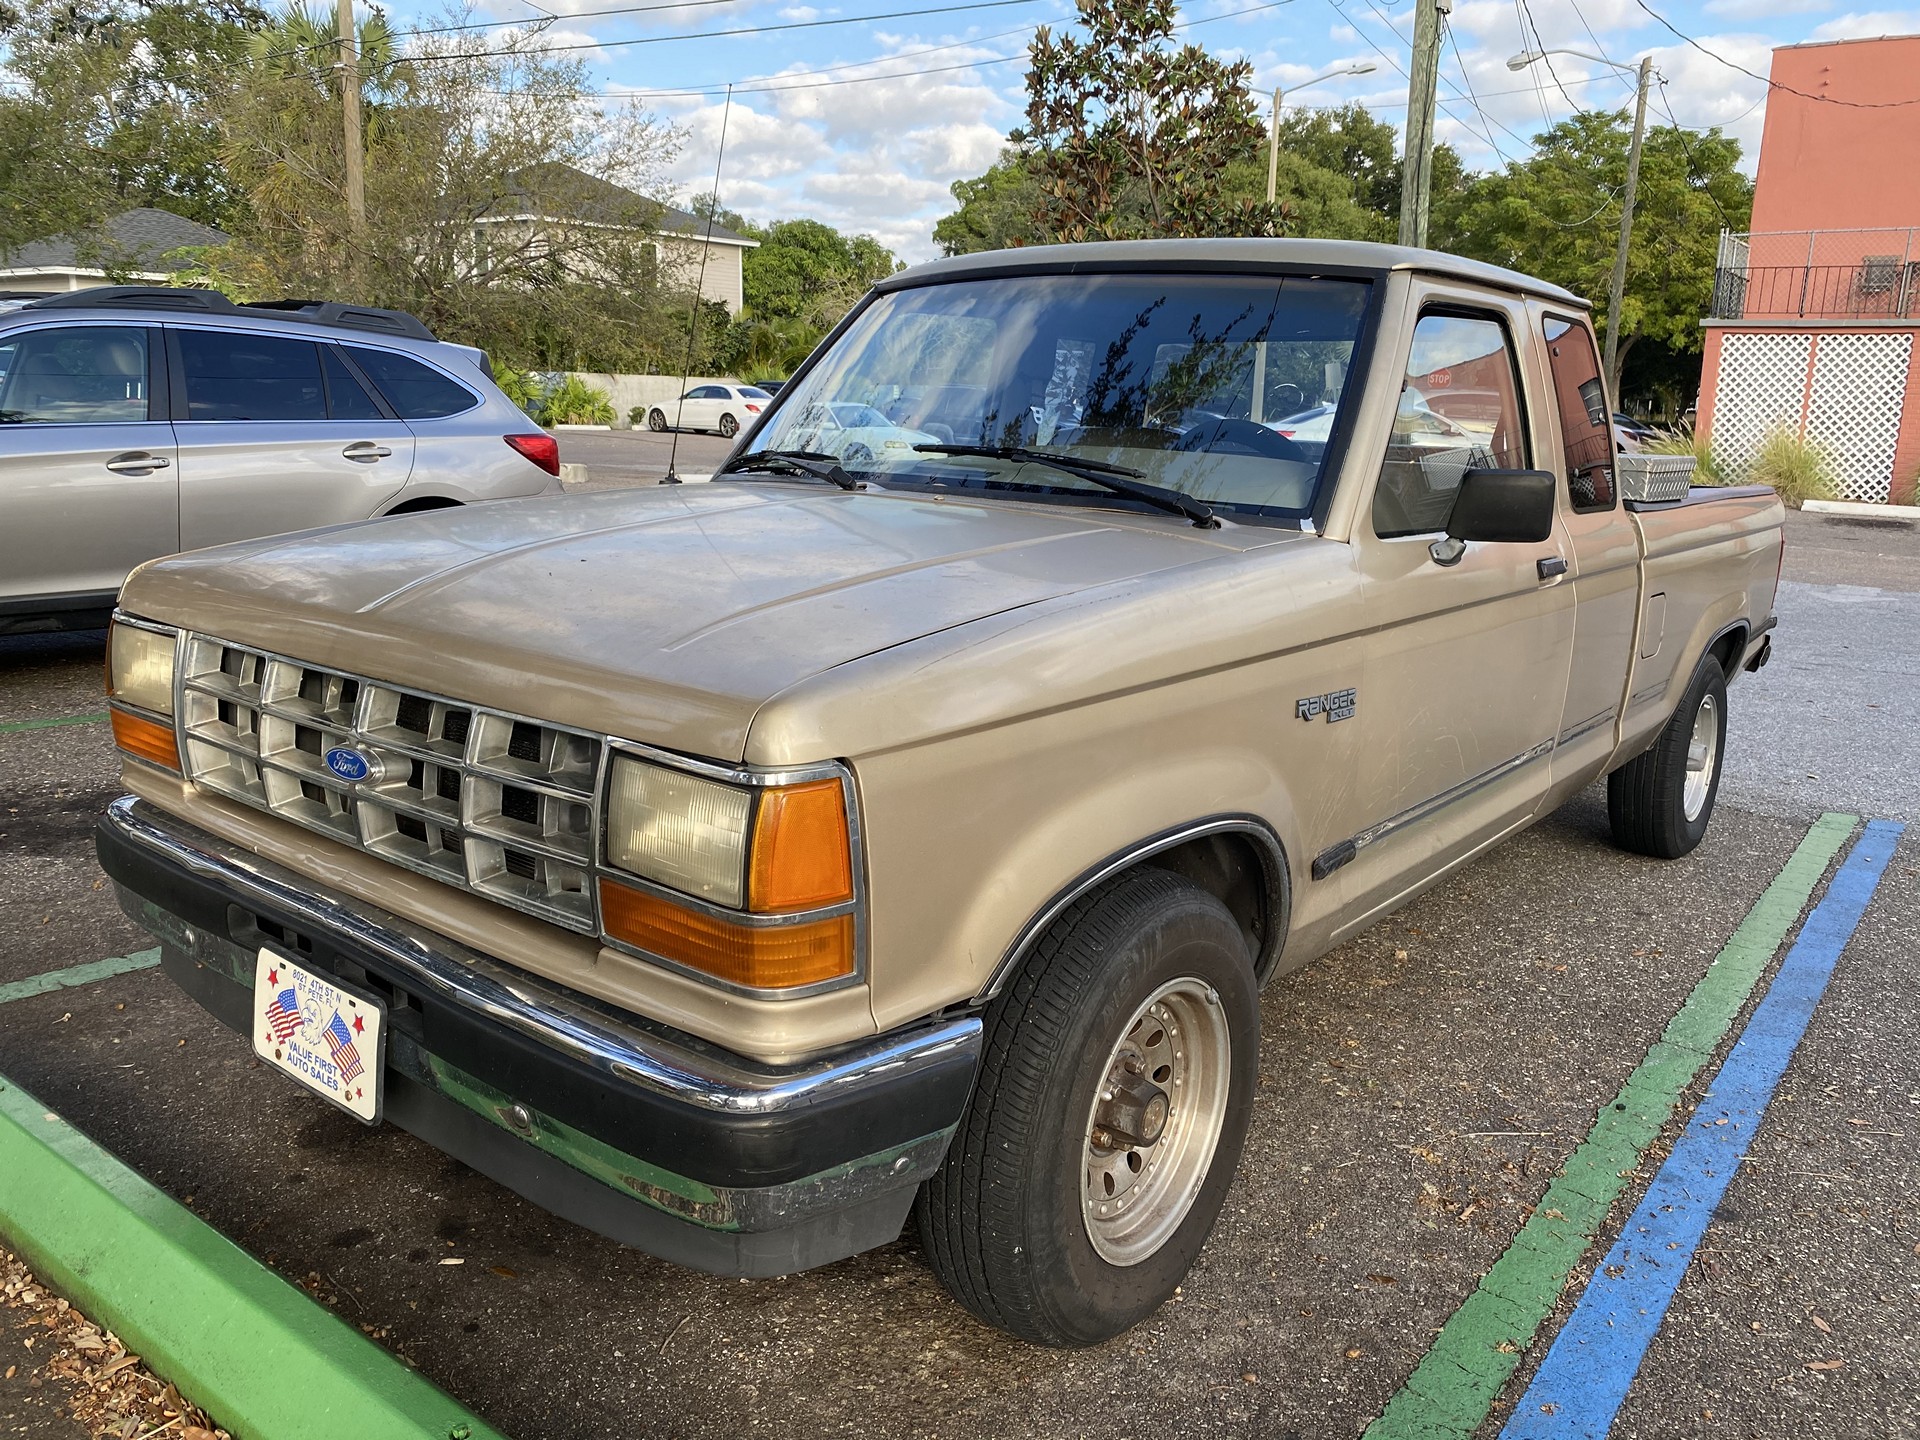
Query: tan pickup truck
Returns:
{"type": "Point", "coordinates": [908, 828]}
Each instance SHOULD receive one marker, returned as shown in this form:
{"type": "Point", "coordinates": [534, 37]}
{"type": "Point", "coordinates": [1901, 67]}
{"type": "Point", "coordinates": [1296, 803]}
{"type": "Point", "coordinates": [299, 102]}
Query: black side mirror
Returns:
{"type": "Point", "coordinates": [1512, 507]}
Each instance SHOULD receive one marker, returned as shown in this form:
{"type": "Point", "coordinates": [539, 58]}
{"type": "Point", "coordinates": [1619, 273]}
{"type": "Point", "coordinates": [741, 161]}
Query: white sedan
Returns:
{"type": "Point", "coordinates": [857, 434]}
{"type": "Point", "coordinates": [712, 407]}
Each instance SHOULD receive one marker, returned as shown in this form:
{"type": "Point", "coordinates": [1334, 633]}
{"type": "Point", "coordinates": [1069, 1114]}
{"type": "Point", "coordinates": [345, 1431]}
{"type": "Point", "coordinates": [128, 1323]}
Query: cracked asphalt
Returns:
{"type": "Point", "coordinates": [1419, 1088]}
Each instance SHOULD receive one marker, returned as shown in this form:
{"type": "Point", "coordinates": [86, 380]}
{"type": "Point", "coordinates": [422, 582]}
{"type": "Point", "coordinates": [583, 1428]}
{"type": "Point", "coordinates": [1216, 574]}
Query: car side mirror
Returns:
{"type": "Point", "coordinates": [1513, 507]}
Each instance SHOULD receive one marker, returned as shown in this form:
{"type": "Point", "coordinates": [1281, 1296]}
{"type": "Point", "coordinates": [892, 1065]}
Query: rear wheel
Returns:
{"type": "Point", "coordinates": [1660, 802]}
{"type": "Point", "coordinates": [656, 421]}
{"type": "Point", "coordinates": [729, 427]}
{"type": "Point", "coordinates": [857, 454]}
{"type": "Point", "coordinates": [1108, 1118]}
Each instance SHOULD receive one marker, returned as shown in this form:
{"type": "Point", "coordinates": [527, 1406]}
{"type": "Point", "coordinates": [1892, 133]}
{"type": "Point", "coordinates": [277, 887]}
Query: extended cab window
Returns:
{"type": "Point", "coordinates": [235, 376]}
{"type": "Point", "coordinates": [74, 375]}
{"type": "Point", "coordinates": [1459, 410]}
{"type": "Point", "coordinates": [1583, 414]}
{"type": "Point", "coordinates": [415, 391]}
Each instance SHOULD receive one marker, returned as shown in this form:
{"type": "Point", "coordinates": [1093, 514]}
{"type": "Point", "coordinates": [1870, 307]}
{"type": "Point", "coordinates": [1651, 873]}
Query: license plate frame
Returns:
{"type": "Point", "coordinates": [298, 1043]}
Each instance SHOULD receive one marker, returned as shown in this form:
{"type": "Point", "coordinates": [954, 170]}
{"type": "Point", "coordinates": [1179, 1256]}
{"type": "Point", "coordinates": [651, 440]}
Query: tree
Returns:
{"type": "Point", "coordinates": [1557, 215]}
{"type": "Point", "coordinates": [996, 211]}
{"type": "Point", "coordinates": [1127, 136]}
{"type": "Point", "coordinates": [809, 272]}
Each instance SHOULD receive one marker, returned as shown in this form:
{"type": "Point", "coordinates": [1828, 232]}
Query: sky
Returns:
{"type": "Point", "coordinates": [862, 116]}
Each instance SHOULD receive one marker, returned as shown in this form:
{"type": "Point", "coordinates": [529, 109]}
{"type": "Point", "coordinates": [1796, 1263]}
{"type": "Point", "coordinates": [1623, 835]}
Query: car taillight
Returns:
{"type": "Point", "coordinates": [1284, 434]}
{"type": "Point", "coordinates": [753, 409]}
{"type": "Point", "coordinates": [542, 449]}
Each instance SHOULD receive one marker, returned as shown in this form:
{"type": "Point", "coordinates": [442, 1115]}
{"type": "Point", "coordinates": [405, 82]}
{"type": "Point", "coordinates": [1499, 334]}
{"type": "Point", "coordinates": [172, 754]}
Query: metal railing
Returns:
{"type": "Point", "coordinates": [1818, 274]}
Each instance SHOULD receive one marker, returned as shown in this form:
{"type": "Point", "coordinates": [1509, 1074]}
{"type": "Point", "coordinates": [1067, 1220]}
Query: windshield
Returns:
{"type": "Point", "coordinates": [1189, 380]}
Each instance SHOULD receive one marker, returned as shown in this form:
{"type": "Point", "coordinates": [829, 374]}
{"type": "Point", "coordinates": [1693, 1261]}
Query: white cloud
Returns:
{"type": "Point", "coordinates": [799, 12]}
{"type": "Point", "coordinates": [1764, 9]}
{"type": "Point", "coordinates": [1862, 25]}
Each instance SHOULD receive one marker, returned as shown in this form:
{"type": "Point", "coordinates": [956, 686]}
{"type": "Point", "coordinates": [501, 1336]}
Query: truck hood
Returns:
{"type": "Point", "coordinates": [669, 614]}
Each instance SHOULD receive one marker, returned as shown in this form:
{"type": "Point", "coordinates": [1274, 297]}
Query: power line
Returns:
{"type": "Point", "coordinates": [1769, 82]}
{"type": "Point", "coordinates": [1693, 166]}
{"type": "Point", "coordinates": [1395, 63]}
{"type": "Point", "coordinates": [1540, 44]}
{"type": "Point", "coordinates": [1446, 29]}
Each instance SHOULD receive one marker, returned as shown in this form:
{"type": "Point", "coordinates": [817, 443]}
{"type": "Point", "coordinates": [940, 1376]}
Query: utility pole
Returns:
{"type": "Point", "coordinates": [1616, 293]}
{"type": "Point", "coordinates": [350, 114]}
{"type": "Point", "coordinates": [1416, 165]}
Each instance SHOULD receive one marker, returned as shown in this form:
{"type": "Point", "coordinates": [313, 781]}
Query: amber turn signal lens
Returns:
{"type": "Point", "coordinates": [801, 855]}
{"type": "Point", "coordinates": [765, 957]}
{"type": "Point", "coordinates": [147, 739]}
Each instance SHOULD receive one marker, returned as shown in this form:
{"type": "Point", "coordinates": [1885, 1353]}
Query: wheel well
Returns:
{"type": "Point", "coordinates": [428, 502]}
{"type": "Point", "coordinates": [1728, 649]}
{"type": "Point", "coordinates": [1243, 875]}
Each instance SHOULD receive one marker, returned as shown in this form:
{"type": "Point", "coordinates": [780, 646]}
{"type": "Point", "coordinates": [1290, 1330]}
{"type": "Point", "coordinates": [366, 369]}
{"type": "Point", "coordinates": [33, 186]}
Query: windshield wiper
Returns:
{"type": "Point", "coordinates": [1117, 478]}
{"type": "Point", "coordinates": [815, 463]}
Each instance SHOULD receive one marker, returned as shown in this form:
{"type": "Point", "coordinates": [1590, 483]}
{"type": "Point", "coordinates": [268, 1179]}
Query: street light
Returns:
{"type": "Point", "coordinates": [1617, 290]}
{"type": "Point", "coordinates": [1357, 67]}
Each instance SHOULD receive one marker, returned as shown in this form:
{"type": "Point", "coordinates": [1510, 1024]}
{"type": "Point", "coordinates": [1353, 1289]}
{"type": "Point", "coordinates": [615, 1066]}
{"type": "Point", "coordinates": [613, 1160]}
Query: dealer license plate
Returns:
{"type": "Point", "coordinates": [329, 1039]}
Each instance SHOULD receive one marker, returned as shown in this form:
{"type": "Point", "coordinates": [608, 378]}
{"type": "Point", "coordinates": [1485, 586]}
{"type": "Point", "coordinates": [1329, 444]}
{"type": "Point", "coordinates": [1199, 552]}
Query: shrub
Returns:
{"type": "Point", "coordinates": [519, 386]}
{"type": "Point", "coordinates": [574, 402]}
{"type": "Point", "coordinates": [1793, 465]}
{"type": "Point", "coordinates": [1707, 469]}
{"type": "Point", "coordinates": [637, 417]}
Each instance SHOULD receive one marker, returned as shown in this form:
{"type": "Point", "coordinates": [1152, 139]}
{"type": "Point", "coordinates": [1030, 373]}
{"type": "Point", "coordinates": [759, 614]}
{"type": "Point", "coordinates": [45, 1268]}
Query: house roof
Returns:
{"type": "Point", "coordinates": [555, 191]}
{"type": "Point", "coordinates": [138, 238]}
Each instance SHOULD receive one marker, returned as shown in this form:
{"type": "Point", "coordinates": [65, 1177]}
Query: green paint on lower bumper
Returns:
{"type": "Point", "coordinates": [264, 1360]}
{"type": "Point", "coordinates": [1454, 1386]}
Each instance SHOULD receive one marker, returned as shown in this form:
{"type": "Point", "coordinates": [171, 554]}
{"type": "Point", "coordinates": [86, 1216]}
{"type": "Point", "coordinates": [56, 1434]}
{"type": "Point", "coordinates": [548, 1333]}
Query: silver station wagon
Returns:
{"type": "Point", "coordinates": [136, 422]}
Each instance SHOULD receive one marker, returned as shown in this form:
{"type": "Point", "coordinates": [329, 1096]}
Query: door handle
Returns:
{"type": "Point", "coordinates": [136, 462]}
{"type": "Point", "coordinates": [1552, 567]}
{"type": "Point", "coordinates": [366, 451]}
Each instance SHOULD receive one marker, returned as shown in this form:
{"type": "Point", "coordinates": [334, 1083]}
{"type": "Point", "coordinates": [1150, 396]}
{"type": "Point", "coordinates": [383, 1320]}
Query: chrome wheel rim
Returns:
{"type": "Point", "coordinates": [1703, 757]}
{"type": "Point", "coordinates": [1134, 1197]}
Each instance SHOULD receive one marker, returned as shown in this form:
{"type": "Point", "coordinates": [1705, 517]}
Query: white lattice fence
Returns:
{"type": "Point", "coordinates": [1762, 383]}
{"type": "Point", "coordinates": [1859, 385]}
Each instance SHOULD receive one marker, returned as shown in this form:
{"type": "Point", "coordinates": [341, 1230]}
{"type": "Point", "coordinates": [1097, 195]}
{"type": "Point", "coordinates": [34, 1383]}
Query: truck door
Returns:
{"type": "Point", "coordinates": [1605, 560]}
{"type": "Point", "coordinates": [1465, 674]}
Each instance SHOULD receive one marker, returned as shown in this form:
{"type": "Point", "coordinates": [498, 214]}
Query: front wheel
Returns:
{"type": "Point", "coordinates": [729, 427]}
{"type": "Point", "coordinates": [1659, 803]}
{"type": "Point", "coordinates": [1108, 1118]}
{"type": "Point", "coordinates": [656, 421]}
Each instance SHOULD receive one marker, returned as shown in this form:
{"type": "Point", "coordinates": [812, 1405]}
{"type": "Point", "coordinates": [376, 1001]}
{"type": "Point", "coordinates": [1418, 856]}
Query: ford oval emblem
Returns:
{"type": "Point", "coordinates": [348, 763]}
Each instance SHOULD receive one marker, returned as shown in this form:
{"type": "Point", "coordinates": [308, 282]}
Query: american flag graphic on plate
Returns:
{"type": "Point", "coordinates": [320, 1033]}
{"type": "Point", "coordinates": [283, 1014]}
{"type": "Point", "coordinates": [340, 1041]}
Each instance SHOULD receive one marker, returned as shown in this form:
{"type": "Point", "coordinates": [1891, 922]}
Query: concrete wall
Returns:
{"type": "Point", "coordinates": [627, 391]}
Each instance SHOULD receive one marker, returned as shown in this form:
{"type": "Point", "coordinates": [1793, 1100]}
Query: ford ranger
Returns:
{"type": "Point", "coordinates": [746, 869]}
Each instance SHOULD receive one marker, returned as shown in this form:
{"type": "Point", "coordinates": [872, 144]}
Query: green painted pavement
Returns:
{"type": "Point", "coordinates": [1451, 1390]}
{"type": "Point", "coordinates": [9, 726]}
{"type": "Point", "coordinates": [78, 975]}
{"type": "Point", "coordinates": [262, 1359]}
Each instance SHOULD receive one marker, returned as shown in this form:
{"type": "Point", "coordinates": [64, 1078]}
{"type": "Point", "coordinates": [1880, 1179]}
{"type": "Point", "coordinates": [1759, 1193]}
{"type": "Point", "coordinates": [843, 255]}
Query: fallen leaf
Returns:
{"type": "Point", "coordinates": [1250, 1377]}
{"type": "Point", "coordinates": [1822, 1326]}
{"type": "Point", "coordinates": [504, 1273]}
{"type": "Point", "coordinates": [1354, 1354]}
{"type": "Point", "coordinates": [452, 1260]}
{"type": "Point", "coordinates": [1833, 1364]}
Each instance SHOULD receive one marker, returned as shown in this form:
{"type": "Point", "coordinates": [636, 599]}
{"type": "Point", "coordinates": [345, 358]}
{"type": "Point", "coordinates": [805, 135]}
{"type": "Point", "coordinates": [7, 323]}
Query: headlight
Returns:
{"type": "Point", "coordinates": [140, 667]}
{"type": "Point", "coordinates": [780, 857]}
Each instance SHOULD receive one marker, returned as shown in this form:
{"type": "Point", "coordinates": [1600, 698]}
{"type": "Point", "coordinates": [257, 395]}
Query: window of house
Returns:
{"type": "Point", "coordinates": [74, 375]}
{"type": "Point", "coordinates": [232, 375]}
{"type": "Point", "coordinates": [1459, 410]}
{"type": "Point", "coordinates": [1584, 426]}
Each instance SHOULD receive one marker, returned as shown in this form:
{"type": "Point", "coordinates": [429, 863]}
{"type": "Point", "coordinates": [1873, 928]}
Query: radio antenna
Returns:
{"type": "Point", "coordinates": [693, 310]}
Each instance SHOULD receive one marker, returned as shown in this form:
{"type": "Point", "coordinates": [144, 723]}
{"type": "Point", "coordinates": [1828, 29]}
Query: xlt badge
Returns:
{"type": "Point", "coordinates": [1335, 706]}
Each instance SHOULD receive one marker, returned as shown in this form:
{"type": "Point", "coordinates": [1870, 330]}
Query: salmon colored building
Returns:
{"type": "Point", "coordinates": [1815, 323]}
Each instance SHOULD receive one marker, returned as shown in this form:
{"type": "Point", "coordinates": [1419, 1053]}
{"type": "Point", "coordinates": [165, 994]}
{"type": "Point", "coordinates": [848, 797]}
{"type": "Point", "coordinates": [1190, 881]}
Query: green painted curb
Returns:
{"type": "Point", "coordinates": [12, 726]}
{"type": "Point", "coordinates": [76, 975]}
{"type": "Point", "coordinates": [260, 1357]}
{"type": "Point", "coordinates": [1454, 1386]}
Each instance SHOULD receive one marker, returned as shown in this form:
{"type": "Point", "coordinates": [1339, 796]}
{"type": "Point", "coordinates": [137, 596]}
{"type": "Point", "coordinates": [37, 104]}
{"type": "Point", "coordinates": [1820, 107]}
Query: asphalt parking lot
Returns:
{"type": "Point", "coordinates": [1419, 1090]}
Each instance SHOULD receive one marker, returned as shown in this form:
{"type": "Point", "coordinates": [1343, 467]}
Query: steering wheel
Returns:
{"type": "Point", "coordinates": [1224, 433]}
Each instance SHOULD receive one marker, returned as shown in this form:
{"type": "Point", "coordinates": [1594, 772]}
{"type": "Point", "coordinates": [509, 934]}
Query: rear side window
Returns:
{"type": "Point", "coordinates": [74, 375]}
{"type": "Point", "coordinates": [414, 390]}
{"type": "Point", "coordinates": [347, 398]}
{"type": "Point", "coordinates": [235, 376]}
{"type": "Point", "coordinates": [1583, 414]}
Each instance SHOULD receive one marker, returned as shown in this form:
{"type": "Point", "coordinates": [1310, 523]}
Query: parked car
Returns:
{"type": "Point", "coordinates": [856, 433]}
{"type": "Point", "coordinates": [137, 422]}
{"type": "Point", "coordinates": [742, 869]}
{"type": "Point", "coordinates": [724, 409]}
{"type": "Point", "coordinates": [772, 387]}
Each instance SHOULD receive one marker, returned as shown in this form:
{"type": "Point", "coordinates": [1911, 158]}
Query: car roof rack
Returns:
{"type": "Point", "coordinates": [212, 302]}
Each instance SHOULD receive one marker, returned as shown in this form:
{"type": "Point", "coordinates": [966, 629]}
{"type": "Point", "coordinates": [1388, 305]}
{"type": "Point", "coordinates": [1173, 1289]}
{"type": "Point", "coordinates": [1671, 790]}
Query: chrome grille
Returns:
{"type": "Point", "coordinates": [498, 804]}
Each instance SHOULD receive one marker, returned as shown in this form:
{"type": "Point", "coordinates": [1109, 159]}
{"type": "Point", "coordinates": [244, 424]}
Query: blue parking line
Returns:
{"type": "Point", "coordinates": [1581, 1384]}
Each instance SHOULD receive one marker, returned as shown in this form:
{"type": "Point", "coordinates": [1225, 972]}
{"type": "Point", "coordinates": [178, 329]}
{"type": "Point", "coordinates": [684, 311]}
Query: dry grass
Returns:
{"type": "Point", "coordinates": [1707, 469]}
{"type": "Point", "coordinates": [1794, 466]}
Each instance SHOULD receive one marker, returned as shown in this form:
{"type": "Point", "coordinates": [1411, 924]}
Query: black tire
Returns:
{"type": "Point", "coordinates": [1647, 797]}
{"type": "Point", "coordinates": [1002, 1223]}
{"type": "Point", "coordinates": [656, 421]}
{"type": "Point", "coordinates": [857, 454]}
{"type": "Point", "coordinates": [729, 427]}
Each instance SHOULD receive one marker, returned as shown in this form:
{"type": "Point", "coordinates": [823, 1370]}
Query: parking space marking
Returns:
{"type": "Point", "coordinates": [1580, 1385]}
{"type": "Point", "coordinates": [78, 975]}
{"type": "Point", "coordinates": [1453, 1387]}
{"type": "Point", "coordinates": [10, 726]}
